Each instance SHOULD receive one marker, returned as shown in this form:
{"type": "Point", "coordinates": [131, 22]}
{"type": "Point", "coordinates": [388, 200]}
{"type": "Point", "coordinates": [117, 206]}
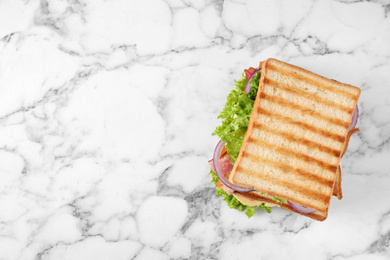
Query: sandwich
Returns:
{"type": "Point", "coordinates": [284, 131]}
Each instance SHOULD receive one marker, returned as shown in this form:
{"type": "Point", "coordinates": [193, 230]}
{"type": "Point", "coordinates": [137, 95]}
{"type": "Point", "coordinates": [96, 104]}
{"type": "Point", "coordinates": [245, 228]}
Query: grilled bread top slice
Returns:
{"type": "Point", "coordinates": [295, 136]}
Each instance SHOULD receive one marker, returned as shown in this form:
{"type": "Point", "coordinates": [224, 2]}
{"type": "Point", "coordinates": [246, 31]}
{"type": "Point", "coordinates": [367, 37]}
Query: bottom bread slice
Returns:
{"type": "Point", "coordinates": [317, 215]}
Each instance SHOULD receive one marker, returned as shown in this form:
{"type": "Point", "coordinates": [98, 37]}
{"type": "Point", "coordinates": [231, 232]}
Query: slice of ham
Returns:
{"type": "Point", "coordinates": [249, 72]}
{"type": "Point", "coordinates": [225, 162]}
{"type": "Point", "coordinates": [226, 166]}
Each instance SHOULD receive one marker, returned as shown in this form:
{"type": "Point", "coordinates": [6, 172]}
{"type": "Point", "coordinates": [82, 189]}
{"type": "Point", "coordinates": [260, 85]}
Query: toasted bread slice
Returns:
{"type": "Point", "coordinates": [295, 136]}
{"type": "Point", "coordinates": [317, 215]}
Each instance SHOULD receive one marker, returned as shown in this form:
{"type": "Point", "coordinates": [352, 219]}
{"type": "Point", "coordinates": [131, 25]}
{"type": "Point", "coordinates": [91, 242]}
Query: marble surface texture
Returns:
{"type": "Point", "coordinates": [106, 115]}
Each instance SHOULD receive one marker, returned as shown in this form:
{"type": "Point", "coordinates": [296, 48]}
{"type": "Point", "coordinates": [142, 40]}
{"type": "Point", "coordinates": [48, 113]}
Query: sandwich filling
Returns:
{"type": "Point", "coordinates": [236, 115]}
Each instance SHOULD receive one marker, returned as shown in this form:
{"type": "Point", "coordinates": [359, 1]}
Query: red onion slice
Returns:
{"type": "Point", "coordinates": [301, 208]}
{"type": "Point", "coordinates": [248, 82]}
{"type": "Point", "coordinates": [218, 170]}
{"type": "Point", "coordinates": [354, 118]}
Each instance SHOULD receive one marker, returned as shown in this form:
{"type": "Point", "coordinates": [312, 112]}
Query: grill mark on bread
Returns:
{"type": "Point", "coordinates": [296, 139]}
{"type": "Point", "coordinates": [289, 152]}
{"type": "Point", "coordinates": [297, 172]}
{"type": "Point", "coordinates": [319, 197]}
{"type": "Point", "coordinates": [321, 84]}
{"type": "Point", "coordinates": [304, 126]}
{"type": "Point", "coordinates": [285, 102]}
{"type": "Point", "coordinates": [307, 95]}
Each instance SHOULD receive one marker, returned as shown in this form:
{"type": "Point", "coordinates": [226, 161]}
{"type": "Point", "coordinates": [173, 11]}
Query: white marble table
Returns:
{"type": "Point", "coordinates": [106, 114]}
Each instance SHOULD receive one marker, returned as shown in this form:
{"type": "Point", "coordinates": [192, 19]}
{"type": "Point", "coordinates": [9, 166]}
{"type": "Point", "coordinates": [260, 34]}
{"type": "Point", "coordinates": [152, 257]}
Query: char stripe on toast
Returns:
{"type": "Point", "coordinates": [306, 193]}
{"type": "Point", "coordinates": [336, 87]}
{"type": "Point", "coordinates": [297, 106]}
{"type": "Point", "coordinates": [300, 173]}
{"type": "Point", "coordinates": [295, 136]}
{"type": "Point", "coordinates": [309, 96]}
{"type": "Point", "coordinates": [303, 126]}
{"type": "Point", "coordinates": [290, 152]}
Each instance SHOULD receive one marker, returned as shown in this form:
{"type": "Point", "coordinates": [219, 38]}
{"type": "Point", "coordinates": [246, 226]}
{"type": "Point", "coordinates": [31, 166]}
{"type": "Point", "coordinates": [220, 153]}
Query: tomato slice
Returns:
{"type": "Point", "coordinates": [249, 72]}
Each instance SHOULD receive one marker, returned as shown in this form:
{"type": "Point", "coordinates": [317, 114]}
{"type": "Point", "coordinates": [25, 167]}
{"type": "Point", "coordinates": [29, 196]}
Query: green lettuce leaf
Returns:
{"type": "Point", "coordinates": [235, 119]}
{"type": "Point", "coordinates": [236, 115]}
{"type": "Point", "coordinates": [281, 201]}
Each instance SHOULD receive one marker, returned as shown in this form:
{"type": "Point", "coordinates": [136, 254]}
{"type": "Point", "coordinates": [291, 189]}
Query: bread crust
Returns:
{"type": "Point", "coordinates": [251, 120]}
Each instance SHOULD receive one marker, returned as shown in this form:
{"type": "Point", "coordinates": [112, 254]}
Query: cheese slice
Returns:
{"type": "Point", "coordinates": [252, 203]}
